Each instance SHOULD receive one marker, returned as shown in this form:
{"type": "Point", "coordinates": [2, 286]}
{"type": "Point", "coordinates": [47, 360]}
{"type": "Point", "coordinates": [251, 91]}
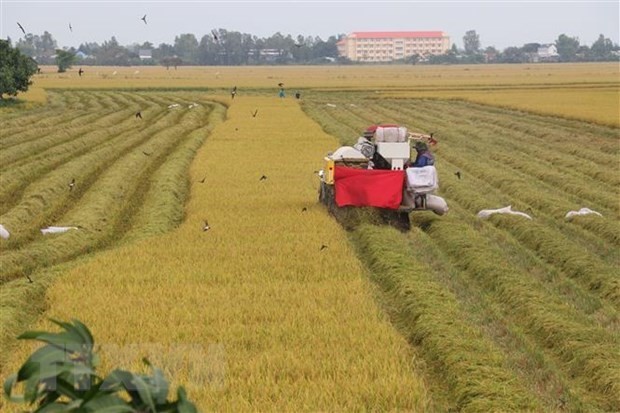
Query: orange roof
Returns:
{"type": "Point", "coordinates": [394, 35]}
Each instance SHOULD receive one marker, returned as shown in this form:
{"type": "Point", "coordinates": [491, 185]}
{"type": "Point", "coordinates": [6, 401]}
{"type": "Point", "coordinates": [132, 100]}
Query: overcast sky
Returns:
{"type": "Point", "coordinates": [498, 23]}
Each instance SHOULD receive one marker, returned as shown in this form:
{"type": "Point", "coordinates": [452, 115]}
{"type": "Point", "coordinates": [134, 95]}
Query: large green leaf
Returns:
{"type": "Point", "coordinates": [64, 370]}
{"type": "Point", "coordinates": [107, 403]}
{"type": "Point", "coordinates": [32, 390]}
{"type": "Point", "coordinates": [144, 391]}
{"type": "Point", "coordinates": [158, 384]}
{"type": "Point", "coordinates": [44, 356]}
{"type": "Point", "coordinates": [79, 328]}
{"type": "Point", "coordinates": [55, 408]}
{"type": "Point", "coordinates": [65, 340]}
{"type": "Point", "coordinates": [8, 389]}
{"type": "Point", "coordinates": [183, 404]}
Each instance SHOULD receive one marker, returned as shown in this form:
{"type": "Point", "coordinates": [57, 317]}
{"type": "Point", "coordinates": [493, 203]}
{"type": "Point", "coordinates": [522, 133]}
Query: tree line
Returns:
{"type": "Point", "coordinates": [221, 47]}
{"type": "Point", "coordinates": [567, 49]}
{"type": "Point", "coordinates": [231, 48]}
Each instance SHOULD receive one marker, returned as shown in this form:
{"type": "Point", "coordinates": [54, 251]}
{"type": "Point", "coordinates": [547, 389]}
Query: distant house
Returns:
{"type": "Point", "coordinates": [145, 54]}
{"type": "Point", "coordinates": [270, 55]}
{"type": "Point", "coordinates": [547, 52]}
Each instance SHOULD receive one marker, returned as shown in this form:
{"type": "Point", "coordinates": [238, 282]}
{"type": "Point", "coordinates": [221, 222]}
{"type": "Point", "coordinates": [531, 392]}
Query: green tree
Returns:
{"type": "Point", "coordinates": [471, 42]}
{"type": "Point", "coordinates": [567, 47]}
{"type": "Point", "coordinates": [60, 377]}
{"type": "Point", "coordinates": [112, 53]}
{"type": "Point", "coordinates": [602, 49]}
{"type": "Point", "coordinates": [64, 59]}
{"type": "Point", "coordinates": [186, 47]}
{"type": "Point", "coordinates": [16, 69]}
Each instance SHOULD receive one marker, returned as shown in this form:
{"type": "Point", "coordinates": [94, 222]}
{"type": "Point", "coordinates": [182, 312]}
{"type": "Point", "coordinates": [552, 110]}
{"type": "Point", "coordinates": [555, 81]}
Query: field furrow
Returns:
{"type": "Point", "coordinates": [119, 170]}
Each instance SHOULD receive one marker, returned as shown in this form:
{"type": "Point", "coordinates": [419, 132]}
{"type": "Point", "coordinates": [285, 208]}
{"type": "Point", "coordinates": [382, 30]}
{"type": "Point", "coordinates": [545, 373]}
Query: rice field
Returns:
{"type": "Point", "coordinates": [277, 307]}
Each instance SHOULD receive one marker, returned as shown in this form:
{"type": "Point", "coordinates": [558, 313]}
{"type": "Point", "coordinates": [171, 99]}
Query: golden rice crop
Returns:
{"type": "Point", "coordinates": [276, 323]}
{"type": "Point", "coordinates": [253, 314]}
{"type": "Point", "coordinates": [587, 91]}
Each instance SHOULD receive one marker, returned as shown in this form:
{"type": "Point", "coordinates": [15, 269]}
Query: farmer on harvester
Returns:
{"type": "Point", "coordinates": [424, 157]}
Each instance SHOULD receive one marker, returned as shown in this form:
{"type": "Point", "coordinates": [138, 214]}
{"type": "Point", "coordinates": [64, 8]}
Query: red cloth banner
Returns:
{"type": "Point", "coordinates": [368, 187]}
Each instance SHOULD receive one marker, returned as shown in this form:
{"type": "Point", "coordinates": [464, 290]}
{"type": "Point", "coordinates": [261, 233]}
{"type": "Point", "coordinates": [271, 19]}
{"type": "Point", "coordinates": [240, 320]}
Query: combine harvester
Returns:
{"type": "Point", "coordinates": [376, 173]}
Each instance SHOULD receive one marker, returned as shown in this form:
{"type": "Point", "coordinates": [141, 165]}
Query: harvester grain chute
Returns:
{"type": "Point", "coordinates": [378, 172]}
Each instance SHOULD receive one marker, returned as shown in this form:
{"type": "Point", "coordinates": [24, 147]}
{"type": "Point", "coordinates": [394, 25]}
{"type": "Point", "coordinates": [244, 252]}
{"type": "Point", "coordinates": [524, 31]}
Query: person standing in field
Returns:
{"type": "Point", "coordinates": [233, 93]}
{"type": "Point", "coordinates": [281, 94]}
{"type": "Point", "coordinates": [297, 95]}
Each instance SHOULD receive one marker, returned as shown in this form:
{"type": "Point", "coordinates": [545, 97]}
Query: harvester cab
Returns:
{"type": "Point", "coordinates": [377, 172]}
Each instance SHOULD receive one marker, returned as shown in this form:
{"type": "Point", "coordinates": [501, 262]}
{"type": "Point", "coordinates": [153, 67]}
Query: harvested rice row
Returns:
{"type": "Point", "coordinates": [544, 201]}
{"type": "Point", "coordinates": [18, 178]}
{"type": "Point", "coordinates": [62, 137]}
{"type": "Point", "coordinates": [98, 210]}
{"type": "Point", "coordinates": [44, 199]}
{"type": "Point", "coordinates": [590, 352]}
{"type": "Point", "coordinates": [587, 155]}
{"type": "Point", "coordinates": [536, 366]}
{"type": "Point", "coordinates": [457, 127]}
{"type": "Point", "coordinates": [46, 121]}
{"type": "Point", "coordinates": [477, 193]}
{"type": "Point", "coordinates": [562, 251]}
{"type": "Point", "coordinates": [54, 172]}
{"type": "Point", "coordinates": [472, 367]}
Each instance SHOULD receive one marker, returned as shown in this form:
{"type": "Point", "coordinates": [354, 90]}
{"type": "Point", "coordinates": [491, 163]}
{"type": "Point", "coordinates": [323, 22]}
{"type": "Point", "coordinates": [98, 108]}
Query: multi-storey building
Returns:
{"type": "Point", "coordinates": [388, 46]}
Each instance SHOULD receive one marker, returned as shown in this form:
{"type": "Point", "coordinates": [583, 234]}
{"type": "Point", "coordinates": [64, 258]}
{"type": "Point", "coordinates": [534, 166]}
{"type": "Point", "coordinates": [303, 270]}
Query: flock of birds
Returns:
{"type": "Point", "coordinates": [143, 19]}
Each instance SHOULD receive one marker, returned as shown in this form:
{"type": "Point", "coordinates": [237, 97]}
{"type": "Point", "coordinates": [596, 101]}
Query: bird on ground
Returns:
{"type": "Point", "coordinates": [4, 233]}
{"type": "Point", "coordinates": [71, 184]}
{"type": "Point", "coordinates": [206, 226]}
{"type": "Point", "coordinates": [582, 211]}
{"type": "Point", "coordinates": [262, 178]}
{"type": "Point", "coordinates": [139, 115]}
{"type": "Point", "coordinates": [458, 174]}
{"type": "Point", "coordinates": [304, 209]}
{"type": "Point", "coordinates": [56, 230]}
{"type": "Point", "coordinates": [144, 19]}
{"type": "Point", "coordinates": [281, 84]}
{"type": "Point", "coordinates": [21, 28]}
{"type": "Point", "coordinates": [29, 279]}
{"type": "Point", "coordinates": [214, 34]}
{"type": "Point", "coordinates": [323, 247]}
{"type": "Point", "coordinates": [255, 113]}
{"type": "Point", "coordinates": [80, 72]}
{"type": "Point", "coordinates": [202, 181]}
{"type": "Point", "coordinates": [70, 28]}
{"type": "Point", "coordinates": [485, 213]}
{"type": "Point", "coordinates": [146, 153]}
